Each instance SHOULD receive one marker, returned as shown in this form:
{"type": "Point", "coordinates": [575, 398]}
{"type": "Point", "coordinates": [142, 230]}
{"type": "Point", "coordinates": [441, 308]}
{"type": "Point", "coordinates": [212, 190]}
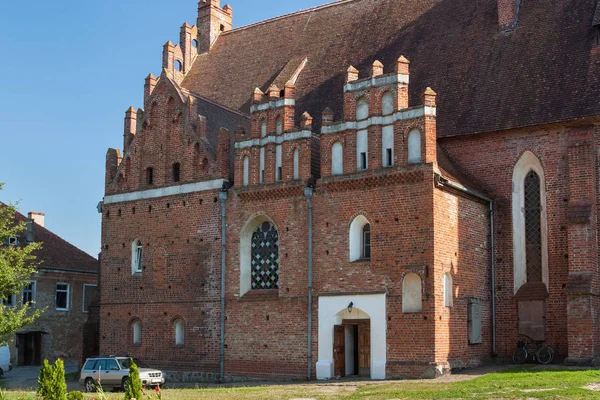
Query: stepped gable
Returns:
{"type": "Point", "coordinates": [544, 70]}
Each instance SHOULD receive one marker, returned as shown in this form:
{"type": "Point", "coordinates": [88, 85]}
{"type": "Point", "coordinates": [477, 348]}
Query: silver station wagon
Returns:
{"type": "Point", "coordinates": [113, 372]}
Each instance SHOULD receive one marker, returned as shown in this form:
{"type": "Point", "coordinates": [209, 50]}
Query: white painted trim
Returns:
{"type": "Point", "coordinates": [277, 139]}
{"type": "Point", "coordinates": [272, 105]}
{"type": "Point", "coordinates": [166, 191]}
{"type": "Point", "coordinates": [333, 310]}
{"type": "Point", "coordinates": [386, 80]}
{"type": "Point", "coordinates": [526, 163]}
{"type": "Point", "coordinates": [245, 251]}
{"type": "Point", "coordinates": [68, 296]}
{"type": "Point", "coordinates": [401, 115]}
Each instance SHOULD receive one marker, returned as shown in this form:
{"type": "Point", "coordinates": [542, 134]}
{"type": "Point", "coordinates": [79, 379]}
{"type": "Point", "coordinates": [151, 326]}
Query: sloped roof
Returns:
{"type": "Point", "coordinates": [542, 72]}
{"type": "Point", "coordinates": [58, 253]}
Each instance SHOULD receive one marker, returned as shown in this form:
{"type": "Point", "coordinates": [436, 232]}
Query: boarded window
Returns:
{"type": "Point", "coordinates": [448, 290]}
{"type": "Point", "coordinates": [412, 293]}
{"type": "Point", "coordinates": [265, 257]}
{"type": "Point", "coordinates": [474, 322]}
{"type": "Point", "coordinates": [531, 319]}
{"type": "Point", "coordinates": [89, 294]}
{"type": "Point", "coordinates": [414, 147]}
{"type": "Point", "coordinates": [137, 331]}
{"type": "Point", "coordinates": [337, 159]}
{"type": "Point", "coordinates": [296, 164]}
{"type": "Point", "coordinates": [263, 129]}
{"type": "Point", "coordinates": [362, 109]}
{"type": "Point", "coordinates": [387, 103]}
{"type": "Point", "coordinates": [246, 171]}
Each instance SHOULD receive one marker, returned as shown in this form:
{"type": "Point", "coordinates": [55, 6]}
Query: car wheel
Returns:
{"type": "Point", "coordinates": [90, 386]}
{"type": "Point", "coordinates": [125, 383]}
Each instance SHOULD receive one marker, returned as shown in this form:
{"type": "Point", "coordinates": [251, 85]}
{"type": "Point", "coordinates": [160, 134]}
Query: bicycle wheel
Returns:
{"type": "Point", "coordinates": [519, 356]}
{"type": "Point", "coordinates": [545, 355]}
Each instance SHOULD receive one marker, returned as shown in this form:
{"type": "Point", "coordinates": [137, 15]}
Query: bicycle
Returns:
{"type": "Point", "coordinates": [542, 354]}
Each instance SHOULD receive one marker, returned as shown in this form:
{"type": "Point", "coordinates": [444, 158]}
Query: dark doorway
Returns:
{"type": "Point", "coordinates": [357, 347]}
{"type": "Point", "coordinates": [30, 348]}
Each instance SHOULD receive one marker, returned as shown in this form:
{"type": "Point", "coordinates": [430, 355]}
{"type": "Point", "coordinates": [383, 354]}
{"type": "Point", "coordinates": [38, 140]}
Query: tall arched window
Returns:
{"type": "Point", "coordinates": [265, 257]}
{"type": "Point", "coordinates": [136, 256]}
{"type": "Point", "coordinates": [530, 226]}
{"type": "Point", "coordinates": [246, 171]}
{"type": "Point", "coordinates": [414, 147]}
{"type": "Point", "coordinates": [296, 164]}
{"type": "Point", "coordinates": [362, 109]}
{"type": "Point", "coordinates": [263, 128]}
{"type": "Point", "coordinates": [337, 159]}
{"type": "Point", "coordinates": [360, 239]}
{"type": "Point", "coordinates": [179, 332]}
{"type": "Point", "coordinates": [387, 103]}
{"type": "Point", "coordinates": [279, 126]}
{"type": "Point", "coordinates": [136, 328]}
{"type": "Point", "coordinates": [448, 299]}
{"type": "Point", "coordinates": [412, 291]}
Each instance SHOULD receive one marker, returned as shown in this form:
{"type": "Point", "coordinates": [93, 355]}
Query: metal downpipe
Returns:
{"type": "Point", "coordinates": [308, 192]}
{"type": "Point", "coordinates": [223, 197]}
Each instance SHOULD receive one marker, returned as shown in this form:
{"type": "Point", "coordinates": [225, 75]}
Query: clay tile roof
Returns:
{"type": "Point", "coordinates": [542, 72]}
{"type": "Point", "coordinates": [58, 253]}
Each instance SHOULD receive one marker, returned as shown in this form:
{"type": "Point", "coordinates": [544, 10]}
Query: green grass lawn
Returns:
{"type": "Point", "coordinates": [517, 383]}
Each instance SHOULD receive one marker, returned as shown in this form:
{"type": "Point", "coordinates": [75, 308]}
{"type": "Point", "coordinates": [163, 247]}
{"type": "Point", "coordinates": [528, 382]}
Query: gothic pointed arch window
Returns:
{"type": "Point", "coordinates": [533, 232]}
{"type": "Point", "coordinates": [265, 257]}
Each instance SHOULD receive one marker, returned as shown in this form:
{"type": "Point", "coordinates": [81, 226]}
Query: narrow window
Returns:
{"type": "Point", "coordinates": [279, 126]}
{"type": "Point", "coordinates": [533, 230]}
{"type": "Point", "coordinates": [137, 332]}
{"type": "Point", "coordinates": [262, 165]}
{"type": "Point", "coordinates": [362, 150]}
{"type": "Point", "coordinates": [150, 176]}
{"type": "Point", "coordinates": [278, 163]}
{"type": "Point", "coordinates": [29, 293]}
{"type": "Point", "coordinates": [10, 301]}
{"type": "Point", "coordinates": [387, 103]}
{"type": "Point", "coordinates": [263, 129]}
{"type": "Point", "coordinates": [246, 171]}
{"type": "Point", "coordinates": [363, 161]}
{"type": "Point", "coordinates": [265, 257]}
{"type": "Point", "coordinates": [366, 242]}
{"type": "Point", "coordinates": [179, 339]}
{"type": "Point", "coordinates": [414, 147]}
{"type": "Point", "coordinates": [412, 290]}
{"type": "Point", "coordinates": [136, 256]}
{"type": "Point", "coordinates": [337, 159]}
{"type": "Point", "coordinates": [362, 109]}
{"type": "Point", "coordinates": [447, 290]}
{"type": "Point", "coordinates": [62, 298]}
{"type": "Point", "coordinates": [176, 172]}
{"type": "Point", "coordinates": [296, 164]}
{"type": "Point", "coordinates": [388, 145]}
{"type": "Point", "coordinates": [178, 65]}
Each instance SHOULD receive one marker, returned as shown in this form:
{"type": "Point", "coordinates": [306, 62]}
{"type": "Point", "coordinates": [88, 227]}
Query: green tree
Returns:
{"type": "Point", "coordinates": [45, 379]}
{"type": "Point", "coordinates": [60, 384]}
{"type": "Point", "coordinates": [134, 385]}
{"type": "Point", "coordinates": [17, 264]}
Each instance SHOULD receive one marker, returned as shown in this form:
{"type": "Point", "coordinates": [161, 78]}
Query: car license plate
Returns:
{"type": "Point", "coordinates": [156, 380]}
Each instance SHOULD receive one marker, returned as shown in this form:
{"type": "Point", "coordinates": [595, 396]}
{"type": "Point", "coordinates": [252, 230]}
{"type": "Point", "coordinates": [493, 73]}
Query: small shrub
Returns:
{"type": "Point", "coordinates": [134, 388]}
{"type": "Point", "coordinates": [75, 396]}
{"type": "Point", "coordinates": [52, 381]}
{"type": "Point", "coordinates": [45, 379]}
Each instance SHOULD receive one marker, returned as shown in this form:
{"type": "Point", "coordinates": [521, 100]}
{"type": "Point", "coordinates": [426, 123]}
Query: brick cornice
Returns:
{"type": "Point", "coordinates": [270, 192]}
{"type": "Point", "coordinates": [376, 179]}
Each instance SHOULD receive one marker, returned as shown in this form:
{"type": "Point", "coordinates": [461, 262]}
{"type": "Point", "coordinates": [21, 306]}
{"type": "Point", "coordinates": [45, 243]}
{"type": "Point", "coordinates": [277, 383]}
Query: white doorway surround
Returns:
{"type": "Point", "coordinates": [333, 310]}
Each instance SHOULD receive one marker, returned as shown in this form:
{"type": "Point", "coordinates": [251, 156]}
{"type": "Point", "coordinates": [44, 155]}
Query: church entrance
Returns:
{"type": "Point", "coordinates": [352, 348]}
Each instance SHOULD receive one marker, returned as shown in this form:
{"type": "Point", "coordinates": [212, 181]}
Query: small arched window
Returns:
{"type": "Point", "coordinates": [178, 66]}
{"type": "Point", "coordinates": [387, 103]}
{"type": "Point", "coordinates": [360, 239]}
{"type": "Point", "coordinates": [263, 128]}
{"type": "Point", "coordinates": [296, 164]}
{"type": "Point", "coordinates": [176, 172]}
{"type": "Point", "coordinates": [279, 126]}
{"type": "Point", "coordinates": [362, 109]}
{"type": "Point", "coordinates": [179, 332]}
{"type": "Point", "coordinates": [150, 176]}
{"type": "Point", "coordinates": [414, 147]}
{"type": "Point", "coordinates": [246, 170]}
{"type": "Point", "coordinates": [136, 327]}
{"type": "Point", "coordinates": [448, 290]}
{"type": "Point", "coordinates": [412, 291]}
{"type": "Point", "coordinates": [136, 256]}
{"type": "Point", "coordinates": [265, 257]}
{"type": "Point", "coordinates": [366, 242]}
{"type": "Point", "coordinates": [337, 159]}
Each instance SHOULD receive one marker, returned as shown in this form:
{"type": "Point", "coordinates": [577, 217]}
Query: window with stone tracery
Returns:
{"type": "Point", "coordinates": [533, 233]}
{"type": "Point", "coordinates": [265, 257]}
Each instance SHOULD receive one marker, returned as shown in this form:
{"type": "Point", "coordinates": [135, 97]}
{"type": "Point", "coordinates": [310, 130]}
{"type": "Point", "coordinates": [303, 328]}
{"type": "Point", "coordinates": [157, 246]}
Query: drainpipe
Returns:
{"type": "Point", "coordinates": [308, 192]}
{"type": "Point", "coordinates": [223, 197]}
{"type": "Point", "coordinates": [441, 182]}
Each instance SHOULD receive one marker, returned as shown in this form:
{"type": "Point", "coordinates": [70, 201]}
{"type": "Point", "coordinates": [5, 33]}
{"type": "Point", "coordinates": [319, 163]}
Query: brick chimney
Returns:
{"type": "Point", "coordinates": [38, 218]}
{"type": "Point", "coordinates": [212, 20]}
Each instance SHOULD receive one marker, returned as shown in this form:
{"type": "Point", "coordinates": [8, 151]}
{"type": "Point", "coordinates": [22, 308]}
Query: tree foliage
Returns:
{"type": "Point", "coordinates": [134, 388]}
{"type": "Point", "coordinates": [17, 264]}
{"type": "Point", "coordinates": [53, 385]}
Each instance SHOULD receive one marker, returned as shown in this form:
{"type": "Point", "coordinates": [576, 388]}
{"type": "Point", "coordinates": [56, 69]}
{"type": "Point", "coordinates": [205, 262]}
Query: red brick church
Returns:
{"type": "Point", "coordinates": [377, 188]}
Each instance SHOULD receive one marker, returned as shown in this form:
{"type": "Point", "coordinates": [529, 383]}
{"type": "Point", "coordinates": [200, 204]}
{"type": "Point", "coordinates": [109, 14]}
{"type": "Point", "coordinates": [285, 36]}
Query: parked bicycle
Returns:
{"type": "Point", "coordinates": [542, 354]}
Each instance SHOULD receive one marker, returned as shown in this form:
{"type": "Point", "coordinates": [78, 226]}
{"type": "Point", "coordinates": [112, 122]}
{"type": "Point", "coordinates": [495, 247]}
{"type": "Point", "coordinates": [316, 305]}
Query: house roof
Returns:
{"type": "Point", "coordinates": [57, 252]}
{"type": "Point", "coordinates": [544, 71]}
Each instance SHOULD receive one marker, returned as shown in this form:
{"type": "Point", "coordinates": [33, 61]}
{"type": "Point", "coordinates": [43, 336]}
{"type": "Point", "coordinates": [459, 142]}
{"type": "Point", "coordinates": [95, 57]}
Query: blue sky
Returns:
{"type": "Point", "coordinates": [69, 69]}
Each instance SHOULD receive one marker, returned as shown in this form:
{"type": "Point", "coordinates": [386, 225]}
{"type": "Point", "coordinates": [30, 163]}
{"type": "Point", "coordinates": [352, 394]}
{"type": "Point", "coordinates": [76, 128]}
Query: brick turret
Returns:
{"type": "Point", "coordinates": [212, 20]}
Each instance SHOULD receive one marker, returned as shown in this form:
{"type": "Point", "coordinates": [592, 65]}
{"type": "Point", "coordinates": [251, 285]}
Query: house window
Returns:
{"type": "Point", "coordinates": [337, 159]}
{"type": "Point", "coordinates": [136, 256]}
{"type": "Point", "coordinates": [296, 164]}
{"type": "Point", "coordinates": [362, 109]}
{"type": "Point", "coordinates": [10, 301]}
{"type": "Point", "coordinates": [63, 296]}
{"type": "Point", "coordinates": [279, 126]}
{"type": "Point", "coordinates": [360, 239]}
{"type": "Point", "coordinates": [414, 147]}
{"type": "Point", "coordinates": [136, 327]}
{"type": "Point", "coordinates": [388, 145]}
{"type": "Point", "coordinates": [13, 241]}
{"type": "Point", "coordinates": [89, 294]}
{"type": "Point", "coordinates": [412, 292]}
{"type": "Point", "coordinates": [387, 103]}
{"type": "Point", "coordinates": [179, 332]}
{"type": "Point", "coordinates": [278, 163]}
{"type": "Point", "coordinates": [246, 170]}
{"type": "Point", "coordinates": [176, 172]}
{"type": "Point", "coordinates": [29, 293]}
{"type": "Point", "coordinates": [150, 176]}
{"type": "Point", "coordinates": [362, 150]}
{"type": "Point", "coordinates": [262, 165]}
{"type": "Point", "coordinates": [265, 257]}
{"type": "Point", "coordinates": [366, 242]}
{"type": "Point", "coordinates": [263, 129]}
{"type": "Point", "coordinates": [447, 290]}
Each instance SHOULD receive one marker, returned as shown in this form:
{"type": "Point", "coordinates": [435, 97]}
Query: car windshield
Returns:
{"type": "Point", "coordinates": [126, 363]}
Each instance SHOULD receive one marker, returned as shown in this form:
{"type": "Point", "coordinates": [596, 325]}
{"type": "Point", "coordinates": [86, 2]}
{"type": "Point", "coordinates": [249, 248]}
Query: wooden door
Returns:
{"type": "Point", "coordinates": [364, 349]}
{"type": "Point", "coordinates": [339, 351]}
